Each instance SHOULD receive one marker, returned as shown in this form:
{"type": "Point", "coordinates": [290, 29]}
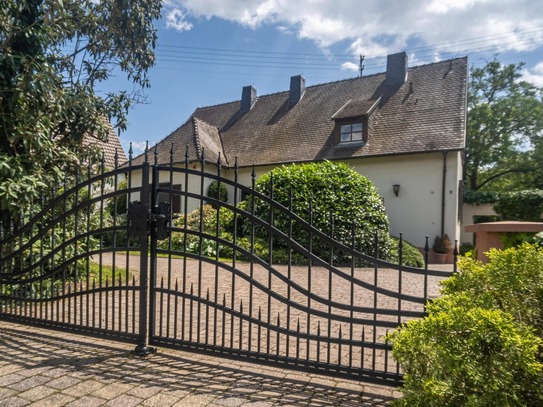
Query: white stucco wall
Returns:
{"type": "Point", "coordinates": [417, 210]}
{"type": "Point", "coordinates": [469, 212]}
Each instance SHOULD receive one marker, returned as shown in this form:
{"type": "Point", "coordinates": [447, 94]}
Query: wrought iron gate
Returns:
{"type": "Point", "coordinates": [206, 281]}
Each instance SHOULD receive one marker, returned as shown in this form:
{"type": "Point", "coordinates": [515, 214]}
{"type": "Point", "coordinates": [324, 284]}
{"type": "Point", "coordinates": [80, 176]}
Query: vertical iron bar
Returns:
{"type": "Point", "coordinates": [207, 317]}
{"type": "Point", "coordinates": [152, 284]}
{"type": "Point", "coordinates": [200, 234]}
{"type": "Point", "coordinates": [375, 284]}
{"type": "Point", "coordinates": [175, 311]}
{"type": "Point", "coordinates": [270, 262]}
{"type": "Point", "coordinates": [330, 287]}
{"type": "Point", "coordinates": [426, 252]}
{"type": "Point", "coordinates": [142, 349]}
{"type": "Point", "coordinates": [289, 269]}
{"type": "Point", "coordinates": [251, 261]}
{"type": "Point", "coordinates": [351, 313]}
{"type": "Point", "coordinates": [185, 213]}
{"type": "Point", "coordinates": [309, 273]}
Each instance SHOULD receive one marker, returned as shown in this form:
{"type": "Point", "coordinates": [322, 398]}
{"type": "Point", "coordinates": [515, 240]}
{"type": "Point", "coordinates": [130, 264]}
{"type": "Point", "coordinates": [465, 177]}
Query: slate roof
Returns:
{"type": "Point", "coordinates": [109, 147]}
{"type": "Point", "coordinates": [426, 113]}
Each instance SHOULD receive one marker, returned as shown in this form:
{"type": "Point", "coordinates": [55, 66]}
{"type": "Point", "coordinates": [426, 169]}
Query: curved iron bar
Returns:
{"type": "Point", "coordinates": [278, 329]}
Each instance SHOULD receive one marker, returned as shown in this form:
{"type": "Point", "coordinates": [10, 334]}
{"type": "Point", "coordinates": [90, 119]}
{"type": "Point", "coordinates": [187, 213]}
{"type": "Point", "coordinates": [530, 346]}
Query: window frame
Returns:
{"type": "Point", "coordinates": [362, 120]}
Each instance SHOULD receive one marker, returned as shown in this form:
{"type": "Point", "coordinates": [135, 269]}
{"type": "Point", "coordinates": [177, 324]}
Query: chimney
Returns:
{"type": "Point", "coordinates": [396, 69]}
{"type": "Point", "coordinates": [248, 98]}
{"type": "Point", "coordinates": [297, 89]}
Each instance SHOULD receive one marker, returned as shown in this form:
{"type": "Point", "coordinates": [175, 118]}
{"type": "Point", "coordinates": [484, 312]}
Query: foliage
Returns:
{"type": "Point", "coordinates": [213, 192]}
{"type": "Point", "coordinates": [53, 55]}
{"type": "Point", "coordinates": [466, 248]}
{"type": "Point", "coordinates": [482, 341]}
{"type": "Point", "coordinates": [504, 144]}
{"type": "Point", "coordinates": [480, 197]}
{"type": "Point", "coordinates": [118, 204]}
{"type": "Point", "coordinates": [411, 256]}
{"type": "Point", "coordinates": [442, 244]}
{"type": "Point", "coordinates": [520, 205]}
{"type": "Point", "coordinates": [333, 190]}
{"type": "Point", "coordinates": [207, 219]}
{"type": "Point", "coordinates": [515, 239]}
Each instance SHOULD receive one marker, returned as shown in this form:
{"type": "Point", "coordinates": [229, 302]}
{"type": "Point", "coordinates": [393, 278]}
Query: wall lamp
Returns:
{"type": "Point", "coordinates": [396, 189]}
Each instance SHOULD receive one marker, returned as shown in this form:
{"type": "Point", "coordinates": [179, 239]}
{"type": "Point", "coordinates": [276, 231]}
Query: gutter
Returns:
{"type": "Point", "coordinates": [443, 192]}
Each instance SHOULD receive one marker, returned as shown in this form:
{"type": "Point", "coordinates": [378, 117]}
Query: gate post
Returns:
{"type": "Point", "coordinates": [142, 349]}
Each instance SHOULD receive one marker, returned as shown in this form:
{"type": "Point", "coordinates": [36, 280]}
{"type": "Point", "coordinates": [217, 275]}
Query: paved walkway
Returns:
{"type": "Point", "coordinates": [47, 368]}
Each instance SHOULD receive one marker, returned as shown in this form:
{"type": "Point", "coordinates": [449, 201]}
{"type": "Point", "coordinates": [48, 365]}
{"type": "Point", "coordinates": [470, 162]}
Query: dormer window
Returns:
{"type": "Point", "coordinates": [351, 132]}
{"type": "Point", "coordinates": [353, 122]}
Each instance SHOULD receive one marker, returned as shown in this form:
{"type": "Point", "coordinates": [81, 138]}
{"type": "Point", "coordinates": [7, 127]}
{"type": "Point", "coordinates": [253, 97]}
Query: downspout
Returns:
{"type": "Point", "coordinates": [443, 192]}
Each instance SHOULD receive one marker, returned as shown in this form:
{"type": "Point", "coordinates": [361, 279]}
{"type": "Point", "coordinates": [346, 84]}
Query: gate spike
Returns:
{"type": "Point", "coordinates": [156, 154]}
{"type": "Point", "coordinates": [171, 155]}
{"type": "Point", "coordinates": [236, 164]}
{"type": "Point", "coordinates": [253, 178]}
{"type": "Point", "coordinates": [219, 165]}
{"type": "Point", "coordinates": [290, 197]}
{"type": "Point", "coordinates": [116, 158]}
{"type": "Point", "coordinates": [426, 252]}
{"type": "Point", "coordinates": [146, 152]}
{"type": "Point", "coordinates": [130, 152]}
{"type": "Point", "coordinates": [455, 255]}
{"type": "Point", "coordinates": [187, 156]}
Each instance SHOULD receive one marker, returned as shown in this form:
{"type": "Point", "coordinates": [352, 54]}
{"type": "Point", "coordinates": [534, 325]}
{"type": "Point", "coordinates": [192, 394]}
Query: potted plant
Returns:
{"type": "Point", "coordinates": [441, 247]}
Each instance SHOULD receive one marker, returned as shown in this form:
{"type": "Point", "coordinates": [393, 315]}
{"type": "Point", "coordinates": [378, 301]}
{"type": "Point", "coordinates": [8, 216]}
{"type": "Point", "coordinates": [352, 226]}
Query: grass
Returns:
{"type": "Point", "coordinates": [107, 273]}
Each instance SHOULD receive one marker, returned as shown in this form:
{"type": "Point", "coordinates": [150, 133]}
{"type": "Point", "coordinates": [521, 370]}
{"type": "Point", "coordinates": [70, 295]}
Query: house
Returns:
{"type": "Point", "coordinates": [404, 129]}
{"type": "Point", "coordinates": [111, 148]}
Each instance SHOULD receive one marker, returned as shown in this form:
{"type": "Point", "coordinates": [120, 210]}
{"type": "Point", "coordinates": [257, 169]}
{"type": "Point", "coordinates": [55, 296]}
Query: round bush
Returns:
{"type": "Point", "coordinates": [335, 190]}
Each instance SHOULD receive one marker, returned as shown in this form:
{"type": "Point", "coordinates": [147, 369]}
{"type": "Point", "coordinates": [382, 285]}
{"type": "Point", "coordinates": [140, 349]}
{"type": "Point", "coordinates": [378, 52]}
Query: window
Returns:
{"type": "Point", "coordinates": [175, 196]}
{"type": "Point", "coordinates": [351, 132]}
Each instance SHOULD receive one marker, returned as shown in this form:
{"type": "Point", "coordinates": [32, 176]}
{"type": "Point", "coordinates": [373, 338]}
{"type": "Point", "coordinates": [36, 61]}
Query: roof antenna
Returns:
{"type": "Point", "coordinates": [360, 65]}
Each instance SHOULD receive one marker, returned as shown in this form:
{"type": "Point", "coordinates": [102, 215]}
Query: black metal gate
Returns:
{"type": "Point", "coordinates": [134, 261]}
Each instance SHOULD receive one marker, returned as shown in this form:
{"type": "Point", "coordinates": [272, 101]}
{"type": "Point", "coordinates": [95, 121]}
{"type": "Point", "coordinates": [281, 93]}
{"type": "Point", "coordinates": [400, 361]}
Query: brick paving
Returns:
{"type": "Point", "coordinates": [48, 368]}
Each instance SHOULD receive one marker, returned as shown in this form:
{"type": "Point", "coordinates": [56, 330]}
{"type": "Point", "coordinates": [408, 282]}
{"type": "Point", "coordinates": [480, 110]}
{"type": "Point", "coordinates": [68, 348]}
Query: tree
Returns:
{"type": "Point", "coordinates": [54, 55]}
{"type": "Point", "coordinates": [505, 125]}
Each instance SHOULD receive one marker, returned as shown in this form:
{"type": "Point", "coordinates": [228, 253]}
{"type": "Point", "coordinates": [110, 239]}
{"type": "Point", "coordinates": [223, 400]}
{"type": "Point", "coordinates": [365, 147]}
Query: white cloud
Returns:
{"type": "Point", "coordinates": [378, 27]}
{"type": "Point", "coordinates": [175, 18]}
{"type": "Point", "coordinates": [349, 66]}
{"type": "Point", "coordinates": [534, 75]}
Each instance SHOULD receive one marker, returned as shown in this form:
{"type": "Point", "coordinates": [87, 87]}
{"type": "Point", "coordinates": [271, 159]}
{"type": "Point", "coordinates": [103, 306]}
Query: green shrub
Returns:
{"type": "Point", "coordinates": [482, 341]}
{"type": "Point", "coordinates": [209, 247]}
{"type": "Point", "coordinates": [520, 205]}
{"type": "Point", "coordinates": [333, 188]}
{"type": "Point", "coordinates": [213, 192]}
{"type": "Point", "coordinates": [465, 355]}
{"type": "Point", "coordinates": [411, 256]}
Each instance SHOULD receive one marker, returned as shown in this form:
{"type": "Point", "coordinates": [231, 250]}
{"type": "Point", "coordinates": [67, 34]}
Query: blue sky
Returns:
{"type": "Point", "coordinates": [209, 49]}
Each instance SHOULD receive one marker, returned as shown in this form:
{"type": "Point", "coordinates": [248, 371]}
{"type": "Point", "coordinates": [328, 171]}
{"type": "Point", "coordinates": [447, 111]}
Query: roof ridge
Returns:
{"type": "Point", "coordinates": [197, 138]}
{"type": "Point", "coordinates": [333, 82]}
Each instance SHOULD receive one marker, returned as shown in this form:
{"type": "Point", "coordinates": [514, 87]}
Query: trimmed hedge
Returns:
{"type": "Point", "coordinates": [333, 189]}
{"type": "Point", "coordinates": [520, 205]}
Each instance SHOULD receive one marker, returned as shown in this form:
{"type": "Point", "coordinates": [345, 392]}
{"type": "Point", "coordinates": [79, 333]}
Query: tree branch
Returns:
{"type": "Point", "coordinates": [493, 177]}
